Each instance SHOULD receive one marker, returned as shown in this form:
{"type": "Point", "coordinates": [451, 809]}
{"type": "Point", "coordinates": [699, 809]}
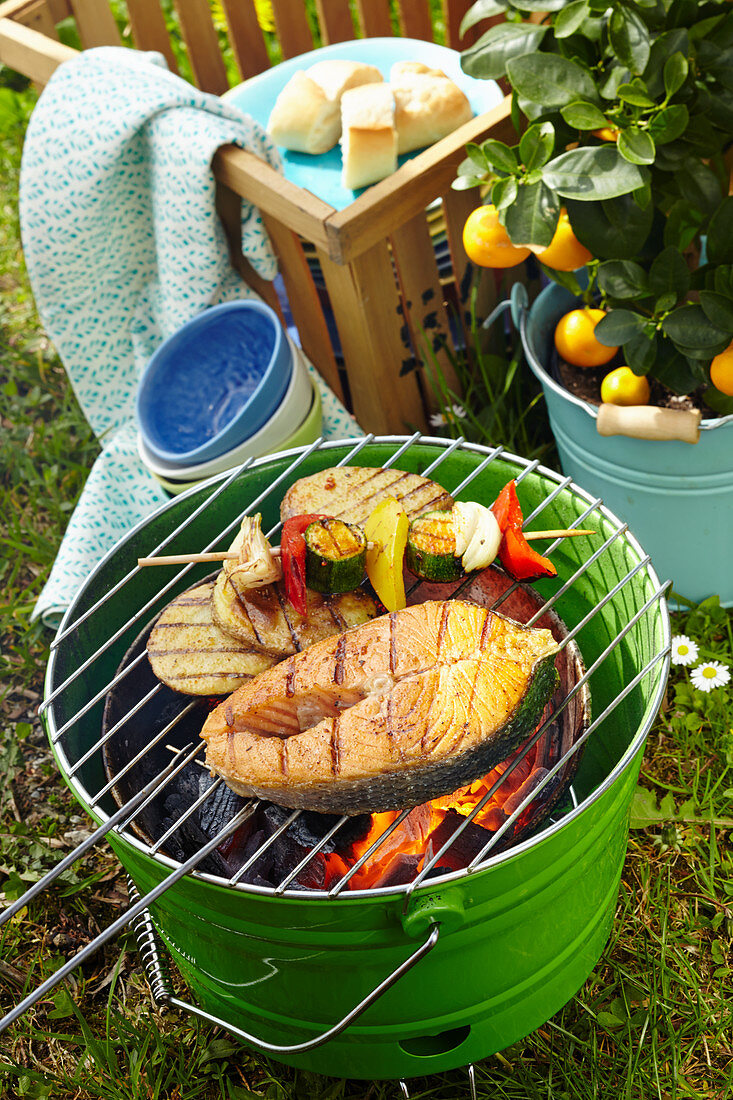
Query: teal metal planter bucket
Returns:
{"type": "Point", "coordinates": [469, 961]}
{"type": "Point", "coordinates": [676, 497]}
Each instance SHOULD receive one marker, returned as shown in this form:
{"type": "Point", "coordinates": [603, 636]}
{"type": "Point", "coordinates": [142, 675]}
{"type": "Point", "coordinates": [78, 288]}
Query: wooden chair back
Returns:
{"type": "Point", "coordinates": [377, 276]}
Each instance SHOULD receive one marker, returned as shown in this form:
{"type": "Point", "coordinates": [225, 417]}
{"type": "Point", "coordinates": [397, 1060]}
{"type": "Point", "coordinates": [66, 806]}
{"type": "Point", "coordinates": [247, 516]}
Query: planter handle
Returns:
{"type": "Point", "coordinates": [149, 947]}
{"type": "Point", "coordinates": [649, 422]}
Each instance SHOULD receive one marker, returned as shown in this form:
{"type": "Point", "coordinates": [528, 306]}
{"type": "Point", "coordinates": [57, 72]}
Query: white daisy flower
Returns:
{"type": "Point", "coordinates": [711, 674]}
{"type": "Point", "coordinates": [459, 411]}
{"type": "Point", "coordinates": [684, 650]}
{"type": "Point", "coordinates": [437, 420]}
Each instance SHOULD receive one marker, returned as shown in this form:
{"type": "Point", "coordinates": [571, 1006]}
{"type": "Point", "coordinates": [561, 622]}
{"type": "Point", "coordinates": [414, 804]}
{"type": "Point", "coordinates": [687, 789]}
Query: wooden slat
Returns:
{"type": "Point", "coordinates": [95, 23]}
{"type": "Point", "coordinates": [229, 209]}
{"type": "Point", "coordinates": [304, 302]}
{"type": "Point", "coordinates": [245, 35]}
{"type": "Point", "coordinates": [394, 200]}
{"type": "Point", "coordinates": [202, 43]}
{"type": "Point", "coordinates": [374, 18]}
{"type": "Point", "coordinates": [30, 52]}
{"type": "Point", "coordinates": [454, 12]}
{"type": "Point", "coordinates": [423, 298]}
{"type": "Point", "coordinates": [457, 205]}
{"type": "Point", "coordinates": [334, 19]}
{"type": "Point", "coordinates": [149, 31]}
{"type": "Point", "coordinates": [293, 31]}
{"type": "Point", "coordinates": [36, 15]}
{"type": "Point", "coordinates": [415, 19]}
{"type": "Point", "coordinates": [366, 308]}
{"type": "Point", "coordinates": [255, 180]}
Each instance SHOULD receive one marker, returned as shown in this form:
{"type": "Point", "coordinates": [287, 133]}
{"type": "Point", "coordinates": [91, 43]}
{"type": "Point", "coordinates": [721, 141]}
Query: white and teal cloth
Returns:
{"type": "Point", "coordinates": [123, 245]}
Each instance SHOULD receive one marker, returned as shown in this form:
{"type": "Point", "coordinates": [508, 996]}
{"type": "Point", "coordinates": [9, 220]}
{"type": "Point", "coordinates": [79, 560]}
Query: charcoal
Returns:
{"type": "Point", "coordinates": [310, 827]}
{"type": "Point", "coordinates": [401, 870]}
{"type": "Point", "coordinates": [220, 807]}
{"type": "Point", "coordinates": [186, 841]}
{"type": "Point", "coordinates": [463, 849]}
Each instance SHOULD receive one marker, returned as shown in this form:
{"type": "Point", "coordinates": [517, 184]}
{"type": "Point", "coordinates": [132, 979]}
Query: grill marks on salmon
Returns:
{"type": "Point", "coordinates": [352, 492]}
{"type": "Point", "coordinates": [393, 713]}
{"type": "Point", "coordinates": [196, 649]}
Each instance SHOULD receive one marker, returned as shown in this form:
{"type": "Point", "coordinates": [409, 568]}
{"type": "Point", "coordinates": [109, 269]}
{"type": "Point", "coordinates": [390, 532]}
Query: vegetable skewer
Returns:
{"type": "Point", "coordinates": [228, 555]}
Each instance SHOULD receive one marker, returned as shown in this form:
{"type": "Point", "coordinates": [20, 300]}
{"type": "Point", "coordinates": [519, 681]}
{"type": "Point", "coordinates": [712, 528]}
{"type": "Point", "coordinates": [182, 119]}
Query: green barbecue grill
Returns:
{"type": "Point", "coordinates": [401, 979]}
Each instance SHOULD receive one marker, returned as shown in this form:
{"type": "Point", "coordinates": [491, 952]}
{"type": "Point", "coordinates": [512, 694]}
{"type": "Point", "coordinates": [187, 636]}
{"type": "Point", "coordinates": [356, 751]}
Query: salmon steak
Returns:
{"type": "Point", "coordinates": [389, 714]}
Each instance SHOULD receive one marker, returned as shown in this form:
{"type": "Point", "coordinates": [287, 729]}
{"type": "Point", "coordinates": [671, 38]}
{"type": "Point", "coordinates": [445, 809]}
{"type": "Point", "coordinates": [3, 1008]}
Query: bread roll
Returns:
{"type": "Point", "coordinates": [304, 119]}
{"type": "Point", "coordinates": [412, 68]}
{"type": "Point", "coordinates": [368, 139]}
{"type": "Point", "coordinates": [337, 76]}
{"type": "Point", "coordinates": [427, 108]}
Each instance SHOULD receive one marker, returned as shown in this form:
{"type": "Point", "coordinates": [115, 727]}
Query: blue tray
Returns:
{"type": "Point", "coordinates": [321, 175]}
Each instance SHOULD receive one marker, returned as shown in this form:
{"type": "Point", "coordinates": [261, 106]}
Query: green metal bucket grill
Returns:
{"type": "Point", "coordinates": [398, 981]}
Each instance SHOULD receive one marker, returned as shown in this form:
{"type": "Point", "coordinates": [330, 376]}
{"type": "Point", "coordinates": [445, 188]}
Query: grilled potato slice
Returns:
{"type": "Point", "coordinates": [263, 618]}
{"type": "Point", "coordinates": [189, 653]}
{"type": "Point", "coordinates": [352, 492]}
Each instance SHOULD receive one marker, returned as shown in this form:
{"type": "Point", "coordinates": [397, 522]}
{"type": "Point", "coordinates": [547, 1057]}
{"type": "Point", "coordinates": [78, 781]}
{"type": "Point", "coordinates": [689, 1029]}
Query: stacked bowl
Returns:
{"type": "Point", "coordinates": [227, 386]}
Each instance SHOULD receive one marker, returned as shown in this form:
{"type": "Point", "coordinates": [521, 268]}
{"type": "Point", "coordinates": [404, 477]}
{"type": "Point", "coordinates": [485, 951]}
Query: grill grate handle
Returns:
{"type": "Point", "coordinates": [153, 964]}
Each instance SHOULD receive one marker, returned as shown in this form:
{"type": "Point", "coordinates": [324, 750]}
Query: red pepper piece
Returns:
{"type": "Point", "coordinates": [516, 555]}
{"type": "Point", "coordinates": [292, 558]}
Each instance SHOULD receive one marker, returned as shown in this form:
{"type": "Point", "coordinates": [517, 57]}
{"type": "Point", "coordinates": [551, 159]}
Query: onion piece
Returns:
{"type": "Point", "coordinates": [480, 535]}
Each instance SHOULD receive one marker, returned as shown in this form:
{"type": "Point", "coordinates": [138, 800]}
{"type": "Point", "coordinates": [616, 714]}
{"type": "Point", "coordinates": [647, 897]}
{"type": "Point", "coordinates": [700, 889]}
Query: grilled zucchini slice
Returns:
{"type": "Point", "coordinates": [335, 556]}
{"type": "Point", "coordinates": [431, 548]}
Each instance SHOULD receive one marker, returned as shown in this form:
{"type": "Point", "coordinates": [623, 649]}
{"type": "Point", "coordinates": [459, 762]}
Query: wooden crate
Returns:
{"type": "Point", "coordinates": [380, 277]}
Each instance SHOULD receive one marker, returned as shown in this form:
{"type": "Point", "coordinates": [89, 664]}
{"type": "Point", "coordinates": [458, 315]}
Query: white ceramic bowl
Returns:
{"type": "Point", "coordinates": [288, 416]}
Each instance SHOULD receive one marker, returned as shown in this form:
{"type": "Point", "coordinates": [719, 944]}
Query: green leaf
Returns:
{"type": "Point", "coordinates": [720, 233]}
{"type": "Point", "coordinates": [723, 406]}
{"type": "Point", "coordinates": [675, 73]}
{"type": "Point", "coordinates": [699, 185]}
{"type": "Point", "coordinates": [474, 160]}
{"type": "Point", "coordinates": [609, 1021]}
{"type": "Point", "coordinates": [504, 192]}
{"type": "Point", "coordinates": [673, 370]}
{"type": "Point", "coordinates": [592, 173]}
{"type": "Point", "coordinates": [571, 18]}
{"type": "Point", "coordinates": [482, 9]}
{"type": "Point", "coordinates": [669, 273]}
{"type": "Point", "coordinates": [635, 94]}
{"type": "Point", "coordinates": [616, 228]}
{"type": "Point", "coordinates": [532, 217]}
{"type": "Point", "coordinates": [465, 183]}
{"type": "Point", "coordinates": [640, 352]}
{"type": "Point", "coordinates": [663, 46]}
{"type": "Point", "coordinates": [718, 309]}
{"type": "Point", "coordinates": [536, 145]}
{"type": "Point", "coordinates": [489, 57]}
{"type": "Point", "coordinates": [629, 38]}
{"type": "Point", "coordinates": [682, 225]}
{"type": "Point", "coordinates": [619, 326]}
{"type": "Point", "coordinates": [688, 327]}
{"type": "Point", "coordinates": [583, 116]}
{"type": "Point", "coordinates": [636, 146]}
{"type": "Point", "coordinates": [550, 79]}
{"type": "Point", "coordinates": [499, 156]}
{"type": "Point", "coordinates": [623, 279]}
{"type": "Point", "coordinates": [644, 809]}
{"type": "Point", "coordinates": [669, 124]}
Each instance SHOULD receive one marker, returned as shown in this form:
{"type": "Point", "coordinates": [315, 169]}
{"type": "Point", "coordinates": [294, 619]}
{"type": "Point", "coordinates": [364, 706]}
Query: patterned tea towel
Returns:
{"type": "Point", "coordinates": [123, 245]}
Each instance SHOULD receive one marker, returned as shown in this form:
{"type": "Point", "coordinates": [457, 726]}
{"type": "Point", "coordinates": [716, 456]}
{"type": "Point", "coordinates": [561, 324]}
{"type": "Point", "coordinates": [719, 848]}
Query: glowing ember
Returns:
{"type": "Point", "coordinates": [424, 831]}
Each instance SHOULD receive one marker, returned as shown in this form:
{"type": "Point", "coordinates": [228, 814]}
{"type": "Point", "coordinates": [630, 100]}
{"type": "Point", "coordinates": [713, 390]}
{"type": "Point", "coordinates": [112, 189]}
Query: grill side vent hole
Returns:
{"type": "Point", "coordinates": [424, 1046]}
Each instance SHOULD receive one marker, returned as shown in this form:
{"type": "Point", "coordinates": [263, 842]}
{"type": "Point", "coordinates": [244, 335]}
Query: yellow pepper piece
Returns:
{"type": "Point", "coordinates": [386, 529]}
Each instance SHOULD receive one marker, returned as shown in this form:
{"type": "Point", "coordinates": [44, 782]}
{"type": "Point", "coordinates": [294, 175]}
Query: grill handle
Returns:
{"type": "Point", "coordinates": [149, 946]}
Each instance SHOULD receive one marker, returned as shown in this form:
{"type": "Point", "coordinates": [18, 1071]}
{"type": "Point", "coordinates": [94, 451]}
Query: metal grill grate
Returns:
{"type": "Point", "coordinates": [122, 820]}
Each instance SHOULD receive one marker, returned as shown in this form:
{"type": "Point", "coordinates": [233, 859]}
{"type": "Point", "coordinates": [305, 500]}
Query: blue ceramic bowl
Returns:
{"type": "Point", "coordinates": [214, 382]}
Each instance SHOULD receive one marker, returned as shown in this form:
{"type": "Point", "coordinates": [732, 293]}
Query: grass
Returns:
{"type": "Point", "coordinates": [652, 1021]}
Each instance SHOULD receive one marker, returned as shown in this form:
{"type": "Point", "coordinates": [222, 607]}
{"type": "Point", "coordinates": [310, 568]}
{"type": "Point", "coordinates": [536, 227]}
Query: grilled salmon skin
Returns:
{"type": "Point", "coordinates": [351, 493]}
{"type": "Point", "coordinates": [390, 714]}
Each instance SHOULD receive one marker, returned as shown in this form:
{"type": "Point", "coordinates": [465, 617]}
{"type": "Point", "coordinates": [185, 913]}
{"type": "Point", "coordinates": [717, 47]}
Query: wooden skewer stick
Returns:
{"type": "Point", "coordinates": [229, 555]}
{"type": "Point", "coordinates": [567, 533]}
